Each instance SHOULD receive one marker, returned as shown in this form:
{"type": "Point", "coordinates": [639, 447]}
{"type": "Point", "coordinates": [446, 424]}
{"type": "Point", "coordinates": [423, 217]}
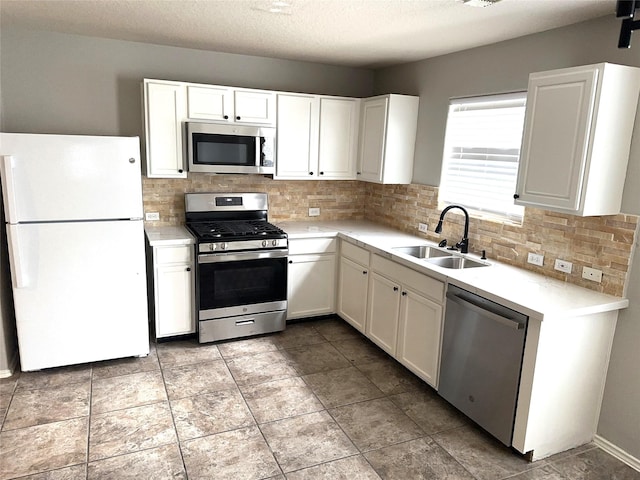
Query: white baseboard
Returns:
{"type": "Point", "coordinates": [617, 452]}
{"type": "Point", "coordinates": [13, 364]}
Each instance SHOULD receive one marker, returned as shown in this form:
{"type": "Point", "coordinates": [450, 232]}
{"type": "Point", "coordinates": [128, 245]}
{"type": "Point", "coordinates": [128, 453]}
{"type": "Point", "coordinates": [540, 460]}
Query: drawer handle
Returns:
{"type": "Point", "coordinates": [245, 322]}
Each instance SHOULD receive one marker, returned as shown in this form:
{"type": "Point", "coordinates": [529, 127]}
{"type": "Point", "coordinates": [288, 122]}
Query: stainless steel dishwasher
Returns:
{"type": "Point", "coordinates": [482, 349]}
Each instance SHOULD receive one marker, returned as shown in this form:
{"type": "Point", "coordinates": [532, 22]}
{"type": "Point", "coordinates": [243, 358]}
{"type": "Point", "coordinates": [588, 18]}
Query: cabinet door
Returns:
{"type": "Point", "coordinates": [419, 336]}
{"type": "Point", "coordinates": [174, 300]}
{"type": "Point", "coordinates": [382, 316]}
{"type": "Point", "coordinates": [164, 112]}
{"type": "Point", "coordinates": [311, 285]}
{"type": "Point", "coordinates": [254, 107]}
{"type": "Point", "coordinates": [556, 137]}
{"type": "Point", "coordinates": [352, 295]}
{"type": "Point", "coordinates": [210, 103]}
{"type": "Point", "coordinates": [372, 139]}
{"type": "Point", "coordinates": [338, 136]}
{"type": "Point", "coordinates": [297, 154]}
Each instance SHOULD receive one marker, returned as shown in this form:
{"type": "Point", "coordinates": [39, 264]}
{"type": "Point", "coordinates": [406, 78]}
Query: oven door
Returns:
{"type": "Point", "coordinates": [241, 283]}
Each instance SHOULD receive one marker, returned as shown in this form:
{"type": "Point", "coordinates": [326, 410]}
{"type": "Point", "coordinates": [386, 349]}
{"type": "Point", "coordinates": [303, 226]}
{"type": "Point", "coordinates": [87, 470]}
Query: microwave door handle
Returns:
{"type": "Point", "coordinates": [258, 151]}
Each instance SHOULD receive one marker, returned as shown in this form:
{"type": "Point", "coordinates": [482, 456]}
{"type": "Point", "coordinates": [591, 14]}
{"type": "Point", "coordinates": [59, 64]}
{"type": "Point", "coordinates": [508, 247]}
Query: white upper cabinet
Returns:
{"type": "Point", "coordinates": [577, 136]}
{"type": "Point", "coordinates": [388, 127]}
{"type": "Point", "coordinates": [227, 104]}
{"type": "Point", "coordinates": [297, 139]}
{"type": "Point", "coordinates": [164, 111]}
{"type": "Point", "coordinates": [317, 137]}
{"type": "Point", "coordinates": [338, 138]}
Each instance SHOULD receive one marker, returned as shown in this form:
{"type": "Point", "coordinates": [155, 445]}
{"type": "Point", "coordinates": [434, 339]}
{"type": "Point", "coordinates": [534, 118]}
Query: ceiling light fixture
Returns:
{"type": "Point", "coordinates": [479, 3]}
{"type": "Point", "coordinates": [626, 9]}
{"type": "Point", "coordinates": [276, 6]}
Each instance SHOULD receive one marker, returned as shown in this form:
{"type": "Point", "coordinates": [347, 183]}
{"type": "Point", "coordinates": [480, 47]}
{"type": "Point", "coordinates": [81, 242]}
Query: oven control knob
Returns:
{"type": "Point", "coordinates": [223, 246]}
{"type": "Point", "coordinates": [212, 246]}
{"type": "Point", "coordinates": [264, 243]}
{"type": "Point", "coordinates": [274, 243]}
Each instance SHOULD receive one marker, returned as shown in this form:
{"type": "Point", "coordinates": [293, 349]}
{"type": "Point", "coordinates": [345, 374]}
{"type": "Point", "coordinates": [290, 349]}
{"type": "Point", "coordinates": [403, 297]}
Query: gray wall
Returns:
{"type": "Point", "coordinates": [69, 84]}
{"type": "Point", "coordinates": [505, 67]}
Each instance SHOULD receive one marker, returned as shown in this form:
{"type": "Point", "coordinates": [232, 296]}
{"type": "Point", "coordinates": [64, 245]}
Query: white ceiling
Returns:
{"type": "Point", "coordinates": [357, 33]}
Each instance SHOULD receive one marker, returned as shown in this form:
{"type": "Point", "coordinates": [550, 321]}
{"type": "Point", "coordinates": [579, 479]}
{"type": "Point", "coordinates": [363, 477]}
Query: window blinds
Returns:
{"type": "Point", "coordinates": [481, 153]}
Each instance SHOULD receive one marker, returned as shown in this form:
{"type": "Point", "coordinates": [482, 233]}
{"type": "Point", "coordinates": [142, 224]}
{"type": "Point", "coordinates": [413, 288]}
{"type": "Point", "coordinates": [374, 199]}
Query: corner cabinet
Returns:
{"type": "Point", "coordinates": [317, 137]}
{"type": "Point", "coordinates": [388, 126]}
{"type": "Point", "coordinates": [311, 277]}
{"type": "Point", "coordinates": [172, 286]}
{"type": "Point", "coordinates": [577, 136]}
{"type": "Point", "coordinates": [404, 316]}
{"type": "Point", "coordinates": [353, 284]}
{"type": "Point", "coordinates": [164, 111]}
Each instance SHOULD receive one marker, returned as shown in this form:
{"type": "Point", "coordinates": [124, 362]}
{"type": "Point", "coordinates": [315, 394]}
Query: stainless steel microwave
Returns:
{"type": "Point", "coordinates": [220, 148]}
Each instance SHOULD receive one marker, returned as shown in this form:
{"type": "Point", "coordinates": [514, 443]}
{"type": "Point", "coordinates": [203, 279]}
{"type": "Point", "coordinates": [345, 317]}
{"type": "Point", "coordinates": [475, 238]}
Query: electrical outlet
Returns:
{"type": "Point", "coordinates": [563, 266]}
{"type": "Point", "coordinates": [152, 216]}
{"type": "Point", "coordinates": [535, 258]}
{"type": "Point", "coordinates": [314, 212]}
{"type": "Point", "coordinates": [423, 227]}
{"type": "Point", "coordinates": [592, 274]}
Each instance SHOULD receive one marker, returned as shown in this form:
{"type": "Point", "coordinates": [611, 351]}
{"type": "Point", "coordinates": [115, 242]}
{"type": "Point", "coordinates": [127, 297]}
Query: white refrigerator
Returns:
{"type": "Point", "coordinates": [73, 207]}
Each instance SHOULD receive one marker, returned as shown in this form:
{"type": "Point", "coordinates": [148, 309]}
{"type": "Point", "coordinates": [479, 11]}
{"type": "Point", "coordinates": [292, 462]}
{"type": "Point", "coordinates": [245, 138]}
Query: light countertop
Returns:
{"type": "Point", "coordinates": [169, 235]}
{"type": "Point", "coordinates": [528, 292]}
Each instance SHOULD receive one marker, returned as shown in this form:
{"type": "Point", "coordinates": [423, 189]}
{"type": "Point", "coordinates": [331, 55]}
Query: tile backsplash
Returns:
{"type": "Point", "coordinates": [604, 243]}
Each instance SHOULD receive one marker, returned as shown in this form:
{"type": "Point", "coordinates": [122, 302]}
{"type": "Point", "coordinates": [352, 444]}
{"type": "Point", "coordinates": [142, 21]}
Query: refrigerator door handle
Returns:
{"type": "Point", "coordinates": [17, 264]}
{"type": "Point", "coordinates": [8, 188]}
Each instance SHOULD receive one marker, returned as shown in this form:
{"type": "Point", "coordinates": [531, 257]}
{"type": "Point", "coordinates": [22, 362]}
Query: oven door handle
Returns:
{"type": "Point", "coordinates": [238, 256]}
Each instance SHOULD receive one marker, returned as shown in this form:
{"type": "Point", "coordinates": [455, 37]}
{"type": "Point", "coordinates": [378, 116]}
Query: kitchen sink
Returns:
{"type": "Point", "coordinates": [455, 262]}
{"type": "Point", "coordinates": [422, 251]}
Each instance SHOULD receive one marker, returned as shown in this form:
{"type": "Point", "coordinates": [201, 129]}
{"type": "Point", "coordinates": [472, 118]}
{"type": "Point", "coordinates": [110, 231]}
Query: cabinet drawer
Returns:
{"type": "Point", "coordinates": [178, 254]}
{"type": "Point", "coordinates": [352, 252]}
{"type": "Point", "coordinates": [430, 287]}
{"type": "Point", "coordinates": [299, 246]}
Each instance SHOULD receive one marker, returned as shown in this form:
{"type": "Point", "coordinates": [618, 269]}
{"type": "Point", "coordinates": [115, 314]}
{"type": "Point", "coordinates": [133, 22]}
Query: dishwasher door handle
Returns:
{"type": "Point", "coordinates": [507, 322]}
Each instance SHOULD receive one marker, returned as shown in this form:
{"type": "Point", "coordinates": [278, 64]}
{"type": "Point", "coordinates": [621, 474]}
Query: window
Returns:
{"type": "Point", "coordinates": [481, 153]}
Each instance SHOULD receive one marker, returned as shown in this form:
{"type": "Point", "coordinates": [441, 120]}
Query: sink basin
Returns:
{"type": "Point", "coordinates": [455, 262]}
{"type": "Point", "coordinates": [422, 251]}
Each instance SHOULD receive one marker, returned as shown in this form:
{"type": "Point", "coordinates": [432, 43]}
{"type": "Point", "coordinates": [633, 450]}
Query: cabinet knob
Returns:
{"type": "Point", "coordinates": [180, 170]}
{"type": "Point", "coordinates": [188, 269]}
{"type": "Point", "coordinates": [404, 294]}
{"type": "Point", "coordinates": [290, 261]}
{"type": "Point", "coordinates": [358, 173]}
{"type": "Point", "coordinates": [364, 272]}
{"type": "Point", "coordinates": [226, 117]}
{"type": "Point", "coordinates": [321, 173]}
{"type": "Point", "coordinates": [516, 196]}
{"type": "Point", "coordinates": [395, 289]}
{"type": "Point", "coordinates": [132, 160]}
{"type": "Point", "coordinates": [238, 118]}
{"type": "Point", "coordinates": [310, 173]}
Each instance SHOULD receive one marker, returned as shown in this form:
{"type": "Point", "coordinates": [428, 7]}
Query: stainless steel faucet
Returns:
{"type": "Point", "coordinates": [463, 244]}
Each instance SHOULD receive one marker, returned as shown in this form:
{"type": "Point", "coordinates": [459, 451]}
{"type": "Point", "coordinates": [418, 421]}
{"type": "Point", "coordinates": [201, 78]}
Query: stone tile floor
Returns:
{"type": "Point", "coordinates": [316, 401]}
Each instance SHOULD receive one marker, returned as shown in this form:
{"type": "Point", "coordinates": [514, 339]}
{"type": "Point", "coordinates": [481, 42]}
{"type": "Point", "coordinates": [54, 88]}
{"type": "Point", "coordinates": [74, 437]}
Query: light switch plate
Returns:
{"type": "Point", "coordinates": [563, 266]}
{"type": "Point", "coordinates": [314, 212]}
{"type": "Point", "coordinates": [152, 216]}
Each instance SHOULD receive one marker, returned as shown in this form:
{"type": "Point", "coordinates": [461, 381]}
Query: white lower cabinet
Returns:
{"type": "Point", "coordinates": [311, 277]}
{"type": "Point", "coordinates": [173, 281]}
{"type": "Point", "coordinates": [404, 316]}
{"type": "Point", "coordinates": [353, 285]}
{"type": "Point", "coordinates": [384, 311]}
{"type": "Point", "coordinates": [419, 333]}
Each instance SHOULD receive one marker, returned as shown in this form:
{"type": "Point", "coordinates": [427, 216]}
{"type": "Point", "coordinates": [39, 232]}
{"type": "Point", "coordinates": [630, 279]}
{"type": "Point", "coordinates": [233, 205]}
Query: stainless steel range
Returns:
{"type": "Point", "coordinates": [241, 272]}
